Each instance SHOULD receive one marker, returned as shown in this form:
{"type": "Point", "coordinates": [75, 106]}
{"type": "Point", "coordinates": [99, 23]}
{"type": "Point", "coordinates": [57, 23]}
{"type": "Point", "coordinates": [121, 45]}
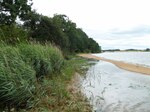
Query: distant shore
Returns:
{"type": "Point", "coordinates": [120, 64]}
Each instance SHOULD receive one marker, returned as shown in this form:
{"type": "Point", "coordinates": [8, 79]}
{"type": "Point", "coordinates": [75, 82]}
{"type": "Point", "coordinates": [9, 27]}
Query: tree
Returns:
{"type": "Point", "coordinates": [43, 28]}
{"type": "Point", "coordinates": [60, 31]}
{"type": "Point", "coordinates": [93, 46]}
{"type": "Point", "coordinates": [11, 9]}
{"type": "Point", "coordinates": [12, 34]}
{"type": "Point", "coordinates": [147, 49]}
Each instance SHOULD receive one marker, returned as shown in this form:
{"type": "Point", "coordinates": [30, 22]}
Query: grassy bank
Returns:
{"type": "Point", "coordinates": [22, 70]}
{"type": "Point", "coordinates": [35, 78]}
{"type": "Point", "coordinates": [60, 96]}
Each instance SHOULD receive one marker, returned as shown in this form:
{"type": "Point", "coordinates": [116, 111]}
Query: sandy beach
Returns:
{"type": "Point", "coordinates": [120, 64]}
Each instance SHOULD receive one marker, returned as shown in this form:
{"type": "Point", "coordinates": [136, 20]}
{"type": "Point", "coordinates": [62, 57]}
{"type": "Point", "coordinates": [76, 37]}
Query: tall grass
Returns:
{"type": "Point", "coordinates": [45, 59]}
{"type": "Point", "coordinates": [59, 95]}
{"type": "Point", "coordinates": [17, 79]}
{"type": "Point", "coordinates": [20, 68]}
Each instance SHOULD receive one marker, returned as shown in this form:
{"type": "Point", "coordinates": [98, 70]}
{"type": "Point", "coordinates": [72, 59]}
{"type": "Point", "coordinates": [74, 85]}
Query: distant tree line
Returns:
{"type": "Point", "coordinates": [114, 50]}
{"type": "Point", "coordinates": [111, 50]}
{"type": "Point", "coordinates": [58, 30]}
{"type": "Point", "coordinates": [147, 49]}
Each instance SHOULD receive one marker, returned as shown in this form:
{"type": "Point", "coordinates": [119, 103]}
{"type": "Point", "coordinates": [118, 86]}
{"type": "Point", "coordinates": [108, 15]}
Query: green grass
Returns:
{"type": "Point", "coordinates": [22, 66]}
{"type": "Point", "coordinates": [57, 97]}
{"type": "Point", "coordinates": [45, 59]}
{"type": "Point", "coordinates": [17, 78]}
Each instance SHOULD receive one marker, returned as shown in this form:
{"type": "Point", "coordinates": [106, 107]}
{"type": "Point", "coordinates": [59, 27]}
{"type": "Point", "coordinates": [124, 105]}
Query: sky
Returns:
{"type": "Point", "coordinates": [114, 24]}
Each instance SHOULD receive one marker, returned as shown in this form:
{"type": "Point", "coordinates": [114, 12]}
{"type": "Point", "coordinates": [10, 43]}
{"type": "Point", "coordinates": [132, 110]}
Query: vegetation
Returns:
{"type": "Point", "coordinates": [147, 49]}
{"type": "Point", "coordinates": [34, 76]}
{"type": "Point", "coordinates": [11, 9]}
{"type": "Point", "coordinates": [21, 88]}
{"type": "Point", "coordinates": [12, 34]}
{"type": "Point", "coordinates": [59, 96]}
{"type": "Point", "coordinates": [111, 50]}
{"type": "Point", "coordinates": [17, 78]}
{"type": "Point", "coordinates": [21, 68]}
{"type": "Point", "coordinates": [45, 59]}
{"type": "Point", "coordinates": [58, 30]}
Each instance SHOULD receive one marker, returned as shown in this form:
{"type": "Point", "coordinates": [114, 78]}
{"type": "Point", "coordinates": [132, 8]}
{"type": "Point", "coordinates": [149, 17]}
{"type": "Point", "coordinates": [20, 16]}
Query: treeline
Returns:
{"type": "Point", "coordinates": [59, 30]}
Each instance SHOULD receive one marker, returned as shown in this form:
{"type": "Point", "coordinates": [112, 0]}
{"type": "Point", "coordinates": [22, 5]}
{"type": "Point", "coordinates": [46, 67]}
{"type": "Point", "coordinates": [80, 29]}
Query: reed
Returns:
{"type": "Point", "coordinates": [20, 68]}
{"type": "Point", "coordinates": [45, 59]}
{"type": "Point", "coordinates": [17, 78]}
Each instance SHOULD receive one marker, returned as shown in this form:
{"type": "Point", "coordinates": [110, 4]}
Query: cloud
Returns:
{"type": "Point", "coordinates": [112, 23]}
{"type": "Point", "coordinates": [137, 31]}
{"type": "Point", "coordinates": [115, 34]}
{"type": "Point", "coordinates": [137, 38]}
{"type": "Point", "coordinates": [128, 43]}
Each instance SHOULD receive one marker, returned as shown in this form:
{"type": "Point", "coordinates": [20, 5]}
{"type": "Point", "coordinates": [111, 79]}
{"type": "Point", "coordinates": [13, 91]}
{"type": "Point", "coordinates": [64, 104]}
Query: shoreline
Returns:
{"type": "Point", "coordinates": [120, 64]}
{"type": "Point", "coordinates": [74, 88]}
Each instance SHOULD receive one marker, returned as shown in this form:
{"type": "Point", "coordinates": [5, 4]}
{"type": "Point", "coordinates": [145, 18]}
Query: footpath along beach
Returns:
{"type": "Point", "coordinates": [121, 64]}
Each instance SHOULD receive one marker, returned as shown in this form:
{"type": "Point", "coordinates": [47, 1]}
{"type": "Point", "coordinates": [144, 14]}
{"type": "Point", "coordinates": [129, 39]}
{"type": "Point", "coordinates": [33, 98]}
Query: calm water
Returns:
{"type": "Point", "coordinates": [111, 89]}
{"type": "Point", "coordinates": [142, 58]}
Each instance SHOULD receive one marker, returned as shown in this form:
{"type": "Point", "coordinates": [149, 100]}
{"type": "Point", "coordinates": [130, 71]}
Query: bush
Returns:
{"type": "Point", "coordinates": [13, 34]}
{"type": "Point", "coordinates": [44, 59]}
{"type": "Point", "coordinates": [17, 78]}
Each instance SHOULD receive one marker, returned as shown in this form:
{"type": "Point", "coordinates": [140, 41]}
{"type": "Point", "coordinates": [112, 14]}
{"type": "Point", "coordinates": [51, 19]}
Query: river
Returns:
{"type": "Point", "coordinates": [111, 89]}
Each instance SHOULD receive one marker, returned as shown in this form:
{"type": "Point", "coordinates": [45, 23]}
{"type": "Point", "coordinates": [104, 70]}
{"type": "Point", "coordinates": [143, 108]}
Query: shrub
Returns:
{"type": "Point", "coordinates": [13, 34]}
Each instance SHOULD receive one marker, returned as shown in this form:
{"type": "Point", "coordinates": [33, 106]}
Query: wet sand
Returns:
{"type": "Point", "coordinates": [120, 64]}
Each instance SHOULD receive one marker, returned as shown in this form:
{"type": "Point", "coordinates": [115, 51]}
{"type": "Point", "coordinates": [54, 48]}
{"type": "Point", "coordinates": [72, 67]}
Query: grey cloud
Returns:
{"type": "Point", "coordinates": [122, 39]}
{"type": "Point", "coordinates": [137, 31]}
{"type": "Point", "coordinates": [119, 34]}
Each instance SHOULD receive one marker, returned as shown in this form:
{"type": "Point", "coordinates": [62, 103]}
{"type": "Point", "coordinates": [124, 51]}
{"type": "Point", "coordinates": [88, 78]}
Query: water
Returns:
{"type": "Point", "coordinates": [111, 89]}
{"type": "Point", "coordinates": [142, 58]}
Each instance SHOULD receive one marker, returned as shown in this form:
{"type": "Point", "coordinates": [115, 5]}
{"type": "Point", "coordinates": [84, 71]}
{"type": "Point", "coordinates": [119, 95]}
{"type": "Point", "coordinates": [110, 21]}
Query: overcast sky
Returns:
{"type": "Point", "coordinates": [119, 24]}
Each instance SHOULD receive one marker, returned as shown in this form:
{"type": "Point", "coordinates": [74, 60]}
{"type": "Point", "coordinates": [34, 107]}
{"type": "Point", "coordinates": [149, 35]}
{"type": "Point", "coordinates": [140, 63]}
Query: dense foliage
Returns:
{"type": "Point", "coordinates": [58, 30]}
{"type": "Point", "coordinates": [13, 34]}
{"type": "Point", "coordinates": [22, 67]}
{"type": "Point", "coordinates": [45, 60]}
{"type": "Point", "coordinates": [11, 9]}
{"type": "Point", "coordinates": [28, 60]}
{"type": "Point", "coordinates": [17, 78]}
